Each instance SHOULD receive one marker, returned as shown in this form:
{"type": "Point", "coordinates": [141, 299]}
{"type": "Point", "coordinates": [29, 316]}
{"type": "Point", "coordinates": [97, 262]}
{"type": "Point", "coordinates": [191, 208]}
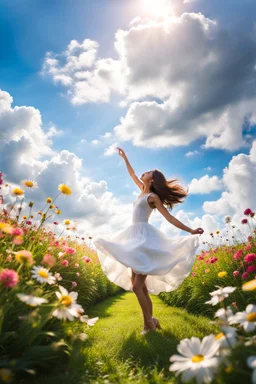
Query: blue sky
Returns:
{"type": "Point", "coordinates": [30, 29]}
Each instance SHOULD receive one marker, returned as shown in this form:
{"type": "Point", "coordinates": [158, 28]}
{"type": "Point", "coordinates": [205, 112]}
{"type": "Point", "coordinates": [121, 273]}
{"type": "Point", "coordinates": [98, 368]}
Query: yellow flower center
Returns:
{"type": "Point", "coordinates": [18, 191]}
{"type": "Point", "coordinates": [67, 222]}
{"type": "Point", "coordinates": [29, 183]}
{"type": "Point", "coordinates": [222, 274]}
{"type": "Point", "coordinates": [43, 273]}
{"type": "Point", "coordinates": [197, 358]}
{"type": "Point", "coordinates": [219, 335]}
{"type": "Point", "coordinates": [66, 300]}
{"type": "Point", "coordinates": [251, 316]}
{"type": "Point", "coordinates": [249, 285]}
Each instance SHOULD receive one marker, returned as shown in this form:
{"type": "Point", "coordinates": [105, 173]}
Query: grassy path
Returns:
{"type": "Point", "coordinates": [115, 352]}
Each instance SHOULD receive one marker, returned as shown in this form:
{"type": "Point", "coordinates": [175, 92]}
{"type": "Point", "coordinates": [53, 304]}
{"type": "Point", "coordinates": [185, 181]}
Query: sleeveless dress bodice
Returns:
{"type": "Point", "coordinates": [141, 209]}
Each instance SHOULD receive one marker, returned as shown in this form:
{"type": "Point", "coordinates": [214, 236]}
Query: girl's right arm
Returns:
{"type": "Point", "coordinates": [130, 169]}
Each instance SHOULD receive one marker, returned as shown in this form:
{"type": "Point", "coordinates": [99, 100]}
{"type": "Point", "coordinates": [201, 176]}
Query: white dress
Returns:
{"type": "Point", "coordinates": [146, 250]}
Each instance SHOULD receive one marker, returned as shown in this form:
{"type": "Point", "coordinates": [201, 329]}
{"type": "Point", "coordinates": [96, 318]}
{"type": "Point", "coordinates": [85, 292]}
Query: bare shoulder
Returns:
{"type": "Point", "coordinates": [154, 200]}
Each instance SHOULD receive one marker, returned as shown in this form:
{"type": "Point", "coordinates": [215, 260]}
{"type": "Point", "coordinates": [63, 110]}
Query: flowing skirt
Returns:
{"type": "Point", "coordinates": [146, 250]}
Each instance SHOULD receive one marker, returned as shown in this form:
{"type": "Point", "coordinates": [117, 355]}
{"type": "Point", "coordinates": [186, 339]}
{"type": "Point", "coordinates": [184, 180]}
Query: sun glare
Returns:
{"type": "Point", "coordinates": [157, 7]}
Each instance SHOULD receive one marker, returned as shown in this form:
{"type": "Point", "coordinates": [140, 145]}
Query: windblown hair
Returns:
{"type": "Point", "coordinates": [169, 191]}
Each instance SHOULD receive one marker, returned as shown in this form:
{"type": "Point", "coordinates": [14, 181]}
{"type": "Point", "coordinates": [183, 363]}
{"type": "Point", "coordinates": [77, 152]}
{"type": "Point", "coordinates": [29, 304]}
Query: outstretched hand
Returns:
{"type": "Point", "coordinates": [121, 152]}
{"type": "Point", "coordinates": [197, 231]}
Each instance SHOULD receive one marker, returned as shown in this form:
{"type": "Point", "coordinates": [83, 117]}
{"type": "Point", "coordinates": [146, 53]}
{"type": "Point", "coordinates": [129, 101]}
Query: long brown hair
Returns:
{"type": "Point", "coordinates": [169, 191]}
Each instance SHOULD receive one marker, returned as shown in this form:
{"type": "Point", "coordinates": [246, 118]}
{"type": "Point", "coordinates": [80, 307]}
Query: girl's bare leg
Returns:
{"type": "Point", "coordinates": [139, 289]}
{"type": "Point", "coordinates": [145, 290]}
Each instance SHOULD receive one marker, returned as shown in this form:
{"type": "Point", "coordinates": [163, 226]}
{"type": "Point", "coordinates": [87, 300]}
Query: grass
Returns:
{"type": "Point", "coordinates": [116, 352]}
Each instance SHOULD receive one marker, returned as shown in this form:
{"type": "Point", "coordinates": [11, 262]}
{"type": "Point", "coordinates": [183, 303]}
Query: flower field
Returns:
{"type": "Point", "coordinates": [51, 279]}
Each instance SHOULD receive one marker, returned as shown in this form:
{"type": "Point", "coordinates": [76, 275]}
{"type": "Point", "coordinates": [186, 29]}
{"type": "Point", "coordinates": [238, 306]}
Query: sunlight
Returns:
{"type": "Point", "coordinates": [159, 8]}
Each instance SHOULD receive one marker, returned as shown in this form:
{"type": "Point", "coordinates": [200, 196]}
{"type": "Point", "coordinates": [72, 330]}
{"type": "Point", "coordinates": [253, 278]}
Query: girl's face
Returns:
{"type": "Point", "coordinates": [147, 176]}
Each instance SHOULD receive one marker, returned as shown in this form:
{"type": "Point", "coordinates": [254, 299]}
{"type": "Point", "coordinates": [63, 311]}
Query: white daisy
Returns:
{"type": "Point", "coordinates": [68, 307]}
{"type": "Point", "coordinates": [251, 362]}
{"type": "Point", "coordinates": [247, 318]}
{"type": "Point", "coordinates": [199, 359]}
{"type": "Point", "coordinates": [31, 300]}
{"type": "Point", "coordinates": [224, 314]}
{"type": "Point", "coordinates": [90, 322]}
{"type": "Point", "coordinates": [220, 294]}
{"type": "Point", "coordinates": [42, 275]}
{"type": "Point", "coordinates": [227, 337]}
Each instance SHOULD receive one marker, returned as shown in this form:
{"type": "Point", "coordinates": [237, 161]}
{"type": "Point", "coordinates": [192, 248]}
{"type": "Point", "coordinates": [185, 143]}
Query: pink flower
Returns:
{"type": "Point", "coordinates": [9, 278]}
{"type": "Point", "coordinates": [234, 304]}
{"type": "Point", "coordinates": [76, 265]}
{"type": "Point", "coordinates": [57, 276]}
{"type": "Point", "coordinates": [238, 254]}
{"type": "Point", "coordinates": [86, 259]}
{"type": "Point", "coordinates": [248, 247]}
{"type": "Point", "coordinates": [9, 258]}
{"type": "Point", "coordinates": [17, 231]}
{"type": "Point", "coordinates": [244, 275]}
{"type": "Point", "coordinates": [249, 258]}
{"type": "Point", "coordinates": [70, 250]}
{"type": "Point", "coordinates": [207, 270]}
{"type": "Point", "coordinates": [236, 273]}
{"type": "Point", "coordinates": [74, 283]}
{"type": "Point", "coordinates": [251, 268]}
{"type": "Point", "coordinates": [193, 274]}
{"type": "Point", "coordinates": [200, 257]}
{"type": "Point", "coordinates": [64, 262]}
{"type": "Point", "coordinates": [49, 259]}
{"type": "Point", "coordinates": [247, 211]}
{"type": "Point", "coordinates": [244, 221]}
{"type": "Point", "coordinates": [56, 243]}
{"type": "Point", "coordinates": [17, 240]}
{"type": "Point", "coordinates": [29, 222]}
{"type": "Point", "coordinates": [78, 274]}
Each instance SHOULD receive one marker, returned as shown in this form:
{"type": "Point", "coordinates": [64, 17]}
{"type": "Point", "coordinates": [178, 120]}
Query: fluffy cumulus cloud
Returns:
{"type": "Point", "coordinates": [87, 79]}
{"type": "Point", "coordinates": [239, 179]}
{"type": "Point", "coordinates": [26, 153]}
{"type": "Point", "coordinates": [205, 184]}
{"type": "Point", "coordinates": [182, 78]}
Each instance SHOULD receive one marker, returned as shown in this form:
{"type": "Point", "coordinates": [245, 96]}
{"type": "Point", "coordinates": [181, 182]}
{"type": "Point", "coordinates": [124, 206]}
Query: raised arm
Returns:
{"type": "Point", "coordinates": [130, 169]}
{"type": "Point", "coordinates": [159, 205]}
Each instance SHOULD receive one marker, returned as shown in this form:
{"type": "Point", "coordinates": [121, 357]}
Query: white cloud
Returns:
{"type": "Point", "coordinates": [192, 153]}
{"type": "Point", "coordinates": [205, 184]}
{"type": "Point", "coordinates": [111, 150]}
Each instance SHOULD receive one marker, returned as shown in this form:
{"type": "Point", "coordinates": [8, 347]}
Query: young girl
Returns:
{"type": "Point", "coordinates": [142, 251]}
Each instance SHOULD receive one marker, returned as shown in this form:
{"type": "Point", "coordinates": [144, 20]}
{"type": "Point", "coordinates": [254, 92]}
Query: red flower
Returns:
{"type": "Point", "coordinates": [247, 211]}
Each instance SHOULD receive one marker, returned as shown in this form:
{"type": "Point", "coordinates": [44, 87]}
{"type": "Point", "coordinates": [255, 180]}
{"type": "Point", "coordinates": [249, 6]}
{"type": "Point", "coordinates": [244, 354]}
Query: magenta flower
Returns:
{"type": "Point", "coordinates": [244, 221]}
{"type": "Point", "coordinates": [86, 259]}
{"type": "Point", "coordinates": [17, 232]}
{"type": "Point", "coordinates": [251, 268]}
{"type": "Point", "coordinates": [248, 247]}
{"type": "Point", "coordinates": [235, 273]}
{"type": "Point", "coordinates": [9, 278]}
{"type": "Point", "coordinates": [247, 211]}
{"type": "Point", "coordinates": [238, 254]}
{"type": "Point", "coordinates": [70, 250]}
{"type": "Point", "coordinates": [249, 258]}
{"type": "Point", "coordinates": [65, 263]}
{"type": "Point", "coordinates": [244, 275]}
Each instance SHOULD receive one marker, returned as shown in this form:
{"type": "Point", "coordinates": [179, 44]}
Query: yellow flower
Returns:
{"type": "Point", "coordinates": [17, 192]}
{"type": "Point", "coordinates": [222, 273]}
{"type": "Point", "coordinates": [24, 217]}
{"type": "Point", "coordinates": [249, 285]}
{"type": "Point", "coordinates": [217, 232]}
{"type": "Point", "coordinates": [31, 216]}
{"type": "Point", "coordinates": [5, 227]}
{"type": "Point", "coordinates": [66, 222]}
{"type": "Point", "coordinates": [24, 256]}
{"type": "Point", "coordinates": [63, 188]}
{"type": "Point", "coordinates": [51, 206]}
{"type": "Point", "coordinates": [30, 184]}
{"type": "Point", "coordinates": [58, 211]}
{"type": "Point", "coordinates": [48, 200]}
{"type": "Point", "coordinates": [43, 215]}
{"type": "Point", "coordinates": [6, 375]}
